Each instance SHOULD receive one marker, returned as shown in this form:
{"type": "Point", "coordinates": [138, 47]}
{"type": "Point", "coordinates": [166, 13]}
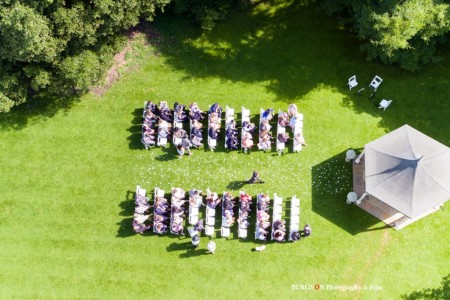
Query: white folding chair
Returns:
{"type": "Point", "coordinates": [376, 81]}
{"type": "Point", "coordinates": [210, 221]}
{"type": "Point", "coordinates": [209, 230]}
{"type": "Point", "coordinates": [242, 233]}
{"type": "Point", "coordinates": [295, 216]}
{"type": "Point", "coordinates": [210, 212]}
{"type": "Point", "coordinates": [193, 219]}
{"type": "Point", "coordinates": [225, 231]}
{"type": "Point", "coordinates": [352, 82]}
{"type": "Point", "coordinates": [212, 143]}
{"type": "Point", "coordinates": [162, 141]}
{"type": "Point", "coordinates": [384, 104]}
{"type": "Point", "coordinates": [159, 192]}
{"type": "Point", "coordinates": [176, 141]}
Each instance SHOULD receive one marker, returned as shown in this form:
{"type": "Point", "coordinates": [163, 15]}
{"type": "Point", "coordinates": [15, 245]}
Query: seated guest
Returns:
{"type": "Point", "coordinates": [141, 208]}
{"type": "Point", "coordinates": [140, 227]}
{"type": "Point", "coordinates": [141, 199]}
{"type": "Point", "coordinates": [179, 132]}
{"type": "Point", "coordinates": [243, 214]}
{"type": "Point", "coordinates": [292, 110]}
{"type": "Point", "coordinates": [160, 218]}
{"type": "Point", "coordinates": [230, 132]}
{"type": "Point", "coordinates": [283, 119]}
{"type": "Point", "coordinates": [199, 225]}
{"type": "Point", "coordinates": [268, 114]}
{"type": "Point", "coordinates": [161, 210]}
{"type": "Point", "coordinates": [178, 193]}
{"type": "Point", "coordinates": [160, 228]}
{"type": "Point", "coordinates": [278, 235]}
{"type": "Point", "coordinates": [148, 139]}
{"type": "Point", "coordinates": [248, 127]}
{"type": "Point", "coordinates": [232, 143]}
{"type": "Point", "coordinates": [298, 138]}
{"type": "Point", "coordinates": [247, 140]}
{"type": "Point", "coordinates": [295, 236]}
{"type": "Point", "coordinates": [261, 233]}
{"type": "Point", "coordinates": [141, 218]}
{"type": "Point", "coordinates": [213, 201]}
{"type": "Point", "coordinates": [243, 223]}
{"type": "Point", "coordinates": [194, 193]}
{"type": "Point", "coordinates": [264, 143]}
{"type": "Point", "coordinates": [262, 216]}
{"type": "Point", "coordinates": [213, 118]}
{"type": "Point", "coordinates": [264, 126]}
{"type": "Point", "coordinates": [196, 142]}
{"type": "Point", "coordinates": [197, 133]}
{"type": "Point", "coordinates": [283, 137]}
{"type": "Point", "coordinates": [215, 108]}
{"type": "Point", "coordinates": [213, 132]}
{"type": "Point", "coordinates": [264, 224]}
{"type": "Point", "coordinates": [149, 117]}
{"type": "Point", "coordinates": [194, 112]}
{"type": "Point", "coordinates": [229, 217]}
{"type": "Point", "coordinates": [279, 225]}
{"type": "Point", "coordinates": [245, 197]}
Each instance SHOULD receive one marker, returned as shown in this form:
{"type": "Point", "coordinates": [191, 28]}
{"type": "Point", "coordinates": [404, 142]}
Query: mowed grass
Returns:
{"type": "Point", "coordinates": [68, 170]}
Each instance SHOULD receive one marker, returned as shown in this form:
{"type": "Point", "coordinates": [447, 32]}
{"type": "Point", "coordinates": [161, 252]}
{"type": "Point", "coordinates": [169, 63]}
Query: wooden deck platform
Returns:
{"type": "Point", "coordinates": [372, 205]}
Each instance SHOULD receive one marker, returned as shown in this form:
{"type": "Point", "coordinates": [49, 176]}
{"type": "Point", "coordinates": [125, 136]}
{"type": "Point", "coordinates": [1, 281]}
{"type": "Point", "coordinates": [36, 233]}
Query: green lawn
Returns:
{"type": "Point", "coordinates": [68, 170]}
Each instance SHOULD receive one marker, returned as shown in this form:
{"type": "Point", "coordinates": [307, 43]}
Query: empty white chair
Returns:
{"type": "Point", "coordinates": [210, 221]}
{"type": "Point", "coordinates": [242, 233]}
{"type": "Point", "coordinates": [209, 230]}
{"type": "Point", "coordinates": [210, 212]}
{"type": "Point", "coordinates": [162, 141]}
{"type": "Point", "coordinates": [225, 232]}
{"type": "Point", "coordinates": [384, 104]}
{"type": "Point", "coordinates": [376, 81]}
{"type": "Point", "coordinates": [352, 82]}
{"type": "Point", "coordinates": [295, 217]}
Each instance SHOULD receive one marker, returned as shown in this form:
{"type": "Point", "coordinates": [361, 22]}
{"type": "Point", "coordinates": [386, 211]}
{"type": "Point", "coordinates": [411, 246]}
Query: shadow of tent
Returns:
{"type": "Point", "coordinates": [332, 180]}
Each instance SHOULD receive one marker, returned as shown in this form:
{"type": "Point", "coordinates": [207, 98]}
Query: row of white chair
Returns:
{"type": "Point", "coordinates": [276, 213]}
{"type": "Point", "coordinates": [294, 217]}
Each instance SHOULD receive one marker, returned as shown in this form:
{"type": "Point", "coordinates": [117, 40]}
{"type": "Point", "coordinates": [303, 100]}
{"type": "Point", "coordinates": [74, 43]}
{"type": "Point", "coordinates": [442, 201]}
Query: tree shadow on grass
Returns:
{"type": "Point", "coordinates": [441, 293]}
{"type": "Point", "coordinates": [35, 110]}
{"type": "Point", "coordinates": [294, 49]}
{"type": "Point", "coordinates": [332, 180]}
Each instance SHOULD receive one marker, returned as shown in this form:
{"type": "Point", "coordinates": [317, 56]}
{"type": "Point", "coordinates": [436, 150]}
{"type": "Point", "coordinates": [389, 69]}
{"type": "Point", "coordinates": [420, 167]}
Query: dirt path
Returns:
{"type": "Point", "coordinates": [120, 58]}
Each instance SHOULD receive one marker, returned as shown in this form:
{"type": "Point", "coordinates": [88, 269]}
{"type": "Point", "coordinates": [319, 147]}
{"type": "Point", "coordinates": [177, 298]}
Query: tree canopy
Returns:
{"type": "Point", "coordinates": [64, 46]}
{"type": "Point", "coordinates": [61, 46]}
{"type": "Point", "coordinates": [405, 32]}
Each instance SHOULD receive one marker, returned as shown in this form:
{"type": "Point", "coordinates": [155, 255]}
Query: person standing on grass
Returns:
{"type": "Point", "coordinates": [307, 230]}
{"type": "Point", "coordinates": [195, 241]}
{"type": "Point", "coordinates": [255, 178]}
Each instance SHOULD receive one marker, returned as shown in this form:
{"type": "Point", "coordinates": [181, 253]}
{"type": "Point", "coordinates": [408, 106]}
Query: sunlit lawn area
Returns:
{"type": "Point", "coordinates": [68, 170]}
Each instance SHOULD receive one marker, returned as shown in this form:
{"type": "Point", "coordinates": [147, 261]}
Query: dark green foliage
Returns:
{"type": "Point", "coordinates": [396, 31]}
{"type": "Point", "coordinates": [207, 12]}
{"type": "Point", "coordinates": [61, 47]}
